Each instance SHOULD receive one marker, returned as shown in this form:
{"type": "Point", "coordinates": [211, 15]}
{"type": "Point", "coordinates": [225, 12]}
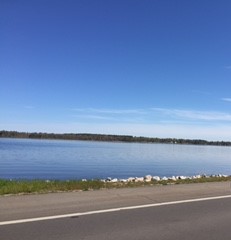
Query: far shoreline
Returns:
{"type": "Point", "coordinates": [108, 138]}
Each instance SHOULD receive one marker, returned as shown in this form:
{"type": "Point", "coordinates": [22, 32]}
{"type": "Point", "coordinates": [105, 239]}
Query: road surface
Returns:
{"type": "Point", "coordinates": [147, 219]}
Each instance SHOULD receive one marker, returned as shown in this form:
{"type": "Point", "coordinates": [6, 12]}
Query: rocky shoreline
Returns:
{"type": "Point", "coordinates": [150, 178]}
{"type": "Point", "coordinates": [47, 186]}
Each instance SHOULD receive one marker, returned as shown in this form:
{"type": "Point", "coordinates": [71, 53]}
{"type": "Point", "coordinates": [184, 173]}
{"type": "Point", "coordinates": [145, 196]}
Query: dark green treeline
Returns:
{"type": "Point", "coordinates": [108, 138]}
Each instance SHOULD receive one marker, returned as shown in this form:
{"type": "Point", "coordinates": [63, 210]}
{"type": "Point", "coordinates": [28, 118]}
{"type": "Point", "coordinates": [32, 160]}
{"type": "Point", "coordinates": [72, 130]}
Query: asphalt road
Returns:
{"type": "Point", "coordinates": [208, 219]}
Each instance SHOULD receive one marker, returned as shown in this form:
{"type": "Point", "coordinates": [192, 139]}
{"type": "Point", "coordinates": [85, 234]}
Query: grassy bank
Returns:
{"type": "Point", "coordinates": [42, 186]}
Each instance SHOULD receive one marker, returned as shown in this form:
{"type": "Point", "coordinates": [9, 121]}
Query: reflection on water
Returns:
{"type": "Point", "coordinates": [51, 159]}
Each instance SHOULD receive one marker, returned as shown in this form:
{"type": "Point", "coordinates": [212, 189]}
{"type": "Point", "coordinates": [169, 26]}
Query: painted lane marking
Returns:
{"type": "Point", "coordinates": [110, 210]}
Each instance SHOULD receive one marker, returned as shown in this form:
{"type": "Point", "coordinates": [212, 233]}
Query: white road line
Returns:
{"type": "Point", "coordinates": [110, 210]}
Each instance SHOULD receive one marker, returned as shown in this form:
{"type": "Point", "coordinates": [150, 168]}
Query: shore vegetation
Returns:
{"type": "Point", "coordinates": [50, 186]}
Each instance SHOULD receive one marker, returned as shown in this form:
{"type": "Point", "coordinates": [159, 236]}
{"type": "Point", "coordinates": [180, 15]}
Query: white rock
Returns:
{"type": "Point", "coordinates": [139, 179]}
{"type": "Point", "coordinates": [123, 180]}
{"type": "Point", "coordinates": [148, 178]}
{"type": "Point", "coordinates": [131, 179]}
{"type": "Point", "coordinates": [108, 179]}
{"type": "Point", "coordinates": [156, 178]}
{"type": "Point", "coordinates": [182, 177]}
{"type": "Point", "coordinates": [198, 176]}
{"type": "Point", "coordinates": [173, 178]}
{"type": "Point", "coordinates": [164, 178]}
{"type": "Point", "coordinates": [114, 180]}
{"type": "Point", "coordinates": [224, 175]}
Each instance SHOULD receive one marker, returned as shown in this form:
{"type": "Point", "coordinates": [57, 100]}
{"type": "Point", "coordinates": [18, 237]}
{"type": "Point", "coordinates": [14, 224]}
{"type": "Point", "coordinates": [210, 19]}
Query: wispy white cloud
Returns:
{"type": "Point", "coordinates": [194, 115]}
{"type": "Point", "coordinates": [110, 115]}
{"type": "Point", "coordinates": [226, 99]}
{"type": "Point", "coordinates": [228, 67]}
{"type": "Point", "coordinates": [110, 111]}
{"type": "Point", "coordinates": [201, 92]}
{"type": "Point", "coordinates": [28, 107]}
{"type": "Point", "coordinates": [153, 115]}
{"type": "Point", "coordinates": [95, 117]}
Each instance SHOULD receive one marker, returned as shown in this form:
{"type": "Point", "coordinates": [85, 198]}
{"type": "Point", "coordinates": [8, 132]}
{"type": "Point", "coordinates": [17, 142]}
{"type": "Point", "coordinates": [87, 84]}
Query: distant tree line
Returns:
{"type": "Point", "coordinates": [108, 138]}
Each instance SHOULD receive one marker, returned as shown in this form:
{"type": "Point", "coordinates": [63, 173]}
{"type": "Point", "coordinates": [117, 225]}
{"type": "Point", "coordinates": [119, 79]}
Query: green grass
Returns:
{"type": "Point", "coordinates": [42, 186]}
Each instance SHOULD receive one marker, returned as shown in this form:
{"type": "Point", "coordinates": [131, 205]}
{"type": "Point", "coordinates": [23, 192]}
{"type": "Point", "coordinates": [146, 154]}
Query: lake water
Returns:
{"type": "Point", "coordinates": [56, 159]}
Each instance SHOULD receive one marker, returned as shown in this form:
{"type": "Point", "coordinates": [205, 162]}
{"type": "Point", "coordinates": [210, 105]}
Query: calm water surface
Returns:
{"type": "Point", "coordinates": [56, 159]}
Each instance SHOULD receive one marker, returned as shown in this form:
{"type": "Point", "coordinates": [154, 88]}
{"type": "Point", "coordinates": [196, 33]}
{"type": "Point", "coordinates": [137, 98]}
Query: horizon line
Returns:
{"type": "Point", "coordinates": [115, 135]}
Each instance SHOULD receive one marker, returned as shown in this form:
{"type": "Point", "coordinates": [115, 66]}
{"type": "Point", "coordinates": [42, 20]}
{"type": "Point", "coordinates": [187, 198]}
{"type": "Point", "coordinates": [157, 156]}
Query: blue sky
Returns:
{"type": "Point", "coordinates": [137, 67]}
